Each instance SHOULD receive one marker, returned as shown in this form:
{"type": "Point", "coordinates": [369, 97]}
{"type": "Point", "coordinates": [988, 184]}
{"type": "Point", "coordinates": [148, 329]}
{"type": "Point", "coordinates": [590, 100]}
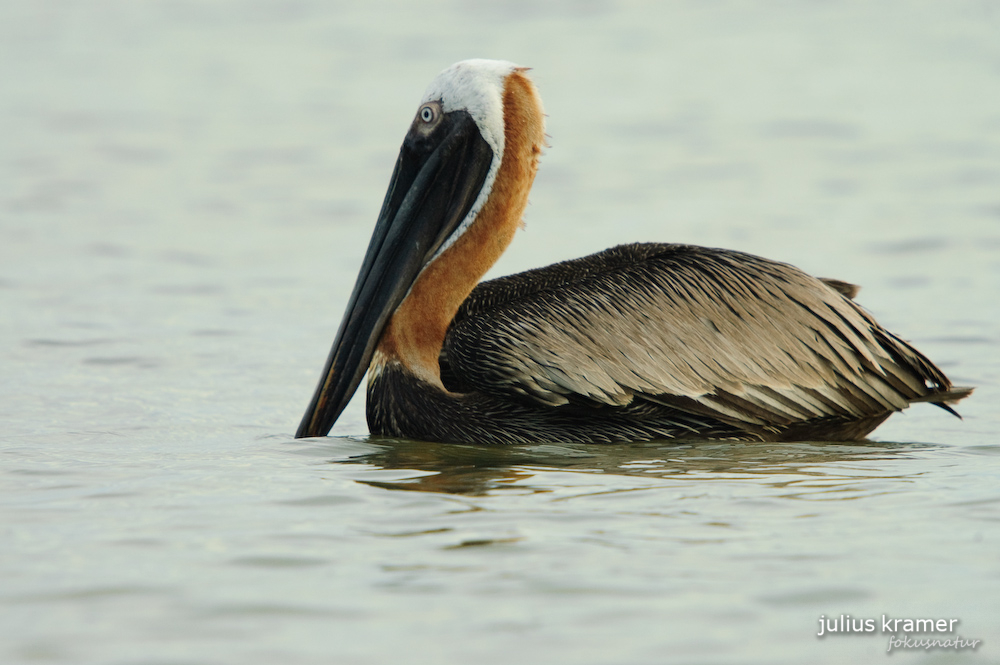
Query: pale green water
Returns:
{"type": "Point", "coordinates": [186, 190]}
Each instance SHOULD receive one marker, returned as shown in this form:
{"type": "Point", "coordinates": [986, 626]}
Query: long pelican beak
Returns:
{"type": "Point", "coordinates": [438, 176]}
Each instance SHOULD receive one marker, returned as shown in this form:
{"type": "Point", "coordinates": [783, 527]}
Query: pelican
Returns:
{"type": "Point", "coordinates": [638, 342]}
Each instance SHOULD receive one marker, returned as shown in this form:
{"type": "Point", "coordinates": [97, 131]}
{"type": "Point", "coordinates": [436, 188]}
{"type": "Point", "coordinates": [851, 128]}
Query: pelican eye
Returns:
{"type": "Point", "coordinates": [428, 113]}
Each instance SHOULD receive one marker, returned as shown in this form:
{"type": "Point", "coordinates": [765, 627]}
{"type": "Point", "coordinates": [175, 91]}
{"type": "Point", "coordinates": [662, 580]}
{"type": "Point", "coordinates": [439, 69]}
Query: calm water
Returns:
{"type": "Point", "coordinates": [186, 191]}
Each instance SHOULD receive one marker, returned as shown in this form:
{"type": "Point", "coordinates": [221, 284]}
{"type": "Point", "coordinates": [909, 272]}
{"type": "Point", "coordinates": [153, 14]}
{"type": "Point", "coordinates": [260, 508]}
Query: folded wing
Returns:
{"type": "Point", "coordinates": [746, 340]}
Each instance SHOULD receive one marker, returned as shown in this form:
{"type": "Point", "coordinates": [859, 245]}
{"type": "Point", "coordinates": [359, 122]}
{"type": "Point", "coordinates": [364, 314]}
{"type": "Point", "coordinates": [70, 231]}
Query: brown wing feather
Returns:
{"type": "Point", "coordinates": [732, 335]}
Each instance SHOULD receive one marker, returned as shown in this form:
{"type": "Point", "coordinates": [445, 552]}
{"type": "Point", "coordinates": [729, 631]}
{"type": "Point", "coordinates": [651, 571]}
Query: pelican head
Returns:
{"type": "Point", "coordinates": [456, 195]}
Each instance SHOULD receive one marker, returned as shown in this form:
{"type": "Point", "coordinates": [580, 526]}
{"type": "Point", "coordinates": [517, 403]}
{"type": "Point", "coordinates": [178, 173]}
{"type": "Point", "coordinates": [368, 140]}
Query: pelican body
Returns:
{"type": "Point", "coordinates": [639, 342]}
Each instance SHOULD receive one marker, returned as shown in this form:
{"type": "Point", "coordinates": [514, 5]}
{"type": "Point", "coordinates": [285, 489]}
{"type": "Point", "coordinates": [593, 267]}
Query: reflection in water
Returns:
{"type": "Point", "coordinates": [479, 470]}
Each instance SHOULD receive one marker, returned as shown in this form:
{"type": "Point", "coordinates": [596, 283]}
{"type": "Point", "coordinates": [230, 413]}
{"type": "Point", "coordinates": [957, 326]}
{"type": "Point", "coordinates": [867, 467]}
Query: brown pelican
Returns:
{"type": "Point", "coordinates": [639, 342]}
